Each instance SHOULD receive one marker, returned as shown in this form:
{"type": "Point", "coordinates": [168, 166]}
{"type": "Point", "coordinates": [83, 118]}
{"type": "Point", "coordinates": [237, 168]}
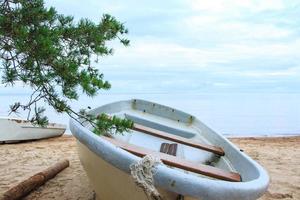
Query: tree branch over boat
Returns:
{"type": "Point", "coordinates": [53, 54]}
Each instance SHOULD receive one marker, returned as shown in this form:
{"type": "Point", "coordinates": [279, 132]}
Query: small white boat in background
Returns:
{"type": "Point", "coordinates": [16, 130]}
{"type": "Point", "coordinates": [197, 163]}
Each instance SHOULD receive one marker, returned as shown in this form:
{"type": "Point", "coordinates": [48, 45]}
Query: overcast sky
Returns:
{"type": "Point", "coordinates": [200, 45]}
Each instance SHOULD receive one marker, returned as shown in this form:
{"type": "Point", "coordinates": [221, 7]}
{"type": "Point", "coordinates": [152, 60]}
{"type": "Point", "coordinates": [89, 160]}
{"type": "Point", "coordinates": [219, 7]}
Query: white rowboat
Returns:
{"type": "Point", "coordinates": [17, 130]}
{"type": "Point", "coordinates": [206, 165]}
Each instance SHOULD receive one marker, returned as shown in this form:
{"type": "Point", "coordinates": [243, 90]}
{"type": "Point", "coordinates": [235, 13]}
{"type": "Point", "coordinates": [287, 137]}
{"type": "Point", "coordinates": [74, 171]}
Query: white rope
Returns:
{"type": "Point", "coordinates": [142, 173]}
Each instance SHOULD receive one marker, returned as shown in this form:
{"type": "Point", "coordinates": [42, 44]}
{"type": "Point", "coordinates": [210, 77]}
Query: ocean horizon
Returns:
{"type": "Point", "coordinates": [231, 114]}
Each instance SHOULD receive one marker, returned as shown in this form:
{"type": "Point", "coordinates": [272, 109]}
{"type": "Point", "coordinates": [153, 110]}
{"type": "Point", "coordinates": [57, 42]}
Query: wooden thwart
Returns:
{"type": "Point", "coordinates": [177, 162]}
{"type": "Point", "coordinates": [181, 140]}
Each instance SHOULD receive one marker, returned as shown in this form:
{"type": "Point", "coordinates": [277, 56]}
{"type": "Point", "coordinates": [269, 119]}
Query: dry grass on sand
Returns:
{"type": "Point", "coordinates": [280, 156]}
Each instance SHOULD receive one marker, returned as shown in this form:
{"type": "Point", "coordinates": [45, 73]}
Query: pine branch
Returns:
{"type": "Point", "coordinates": [52, 54]}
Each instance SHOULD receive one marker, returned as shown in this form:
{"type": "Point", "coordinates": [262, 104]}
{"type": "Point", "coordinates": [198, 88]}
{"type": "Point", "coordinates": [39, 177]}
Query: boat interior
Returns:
{"type": "Point", "coordinates": [172, 136]}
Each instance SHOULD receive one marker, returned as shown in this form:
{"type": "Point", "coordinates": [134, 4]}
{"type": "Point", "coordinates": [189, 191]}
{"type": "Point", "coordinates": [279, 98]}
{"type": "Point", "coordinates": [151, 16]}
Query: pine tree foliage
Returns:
{"type": "Point", "coordinates": [53, 54]}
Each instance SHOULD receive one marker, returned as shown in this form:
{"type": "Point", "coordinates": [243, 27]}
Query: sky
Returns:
{"type": "Point", "coordinates": [200, 45]}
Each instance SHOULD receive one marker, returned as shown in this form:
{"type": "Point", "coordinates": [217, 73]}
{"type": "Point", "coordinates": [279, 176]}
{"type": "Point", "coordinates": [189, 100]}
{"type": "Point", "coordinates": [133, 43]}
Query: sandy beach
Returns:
{"type": "Point", "coordinates": [280, 156]}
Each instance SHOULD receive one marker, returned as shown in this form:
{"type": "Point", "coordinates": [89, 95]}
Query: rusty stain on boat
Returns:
{"type": "Point", "coordinates": [173, 183]}
{"type": "Point", "coordinates": [18, 120]}
{"type": "Point", "coordinates": [191, 119]}
{"type": "Point", "coordinates": [27, 121]}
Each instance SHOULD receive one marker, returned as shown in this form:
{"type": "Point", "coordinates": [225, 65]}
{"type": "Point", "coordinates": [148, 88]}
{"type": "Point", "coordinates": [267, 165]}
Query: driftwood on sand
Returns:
{"type": "Point", "coordinates": [25, 187]}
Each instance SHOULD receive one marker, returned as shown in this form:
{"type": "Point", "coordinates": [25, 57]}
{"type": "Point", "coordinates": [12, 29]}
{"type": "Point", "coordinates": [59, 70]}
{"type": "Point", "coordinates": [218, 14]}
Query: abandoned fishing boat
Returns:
{"type": "Point", "coordinates": [187, 159]}
{"type": "Point", "coordinates": [16, 130]}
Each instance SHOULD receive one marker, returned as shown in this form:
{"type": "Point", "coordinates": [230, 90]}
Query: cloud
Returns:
{"type": "Point", "coordinates": [290, 72]}
{"type": "Point", "coordinates": [221, 6]}
{"type": "Point", "coordinates": [209, 44]}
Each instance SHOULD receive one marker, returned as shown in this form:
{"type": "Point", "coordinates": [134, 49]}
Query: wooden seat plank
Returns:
{"type": "Point", "coordinates": [181, 140]}
{"type": "Point", "coordinates": [178, 162]}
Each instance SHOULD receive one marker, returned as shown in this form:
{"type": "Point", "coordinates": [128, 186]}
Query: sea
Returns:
{"type": "Point", "coordinates": [231, 114]}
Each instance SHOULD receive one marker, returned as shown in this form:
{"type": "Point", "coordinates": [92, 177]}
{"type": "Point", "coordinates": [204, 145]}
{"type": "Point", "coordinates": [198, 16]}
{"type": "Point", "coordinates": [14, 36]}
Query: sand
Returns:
{"type": "Point", "coordinates": [20, 161]}
{"type": "Point", "coordinates": [280, 156]}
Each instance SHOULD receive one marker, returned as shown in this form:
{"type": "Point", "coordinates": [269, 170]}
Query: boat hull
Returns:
{"type": "Point", "coordinates": [106, 178]}
{"type": "Point", "coordinates": [108, 166]}
{"type": "Point", "coordinates": [17, 130]}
